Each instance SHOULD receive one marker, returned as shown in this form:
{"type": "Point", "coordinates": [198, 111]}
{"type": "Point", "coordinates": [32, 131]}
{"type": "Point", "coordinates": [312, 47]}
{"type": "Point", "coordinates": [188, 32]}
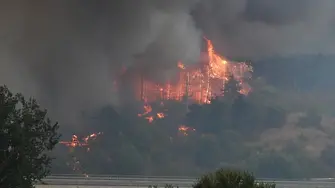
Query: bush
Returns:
{"type": "Point", "coordinates": [230, 179]}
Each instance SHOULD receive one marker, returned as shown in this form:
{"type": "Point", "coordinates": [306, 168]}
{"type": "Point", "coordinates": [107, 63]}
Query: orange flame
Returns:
{"type": "Point", "coordinates": [217, 65]}
{"type": "Point", "coordinates": [147, 114]}
{"type": "Point", "coordinates": [76, 143]}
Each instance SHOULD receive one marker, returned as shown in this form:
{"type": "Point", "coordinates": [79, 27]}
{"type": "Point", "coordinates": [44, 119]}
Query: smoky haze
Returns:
{"type": "Point", "coordinates": [67, 53]}
{"type": "Point", "coordinates": [254, 28]}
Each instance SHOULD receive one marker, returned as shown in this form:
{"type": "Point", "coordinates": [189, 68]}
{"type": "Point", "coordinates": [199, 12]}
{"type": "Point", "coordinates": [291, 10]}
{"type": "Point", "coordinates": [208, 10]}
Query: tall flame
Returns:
{"type": "Point", "coordinates": [218, 66]}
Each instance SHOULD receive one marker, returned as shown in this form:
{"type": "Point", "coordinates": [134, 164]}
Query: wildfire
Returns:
{"type": "Point", "coordinates": [196, 83]}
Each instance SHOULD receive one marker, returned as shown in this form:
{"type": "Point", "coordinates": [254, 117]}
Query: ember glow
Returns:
{"type": "Point", "coordinates": [150, 119]}
{"type": "Point", "coordinates": [160, 115]}
{"type": "Point", "coordinates": [181, 65]}
{"type": "Point", "coordinates": [197, 82]}
{"type": "Point", "coordinates": [147, 110]}
{"type": "Point", "coordinates": [149, 115]}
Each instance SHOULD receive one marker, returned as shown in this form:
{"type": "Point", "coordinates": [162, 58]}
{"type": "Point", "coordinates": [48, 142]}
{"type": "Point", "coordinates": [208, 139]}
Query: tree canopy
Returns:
{"type": "Point", "coordinates": [26, 137]}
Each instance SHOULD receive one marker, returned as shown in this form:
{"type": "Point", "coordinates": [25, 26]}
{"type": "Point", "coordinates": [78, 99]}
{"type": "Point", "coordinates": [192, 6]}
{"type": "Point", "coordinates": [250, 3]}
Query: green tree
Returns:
{"type": "Point", "coordinates": [26, 136]}
{"type": "Point", "coordinates": [230, 178]}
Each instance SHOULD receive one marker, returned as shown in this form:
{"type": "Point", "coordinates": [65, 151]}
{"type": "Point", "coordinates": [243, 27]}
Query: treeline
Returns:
{"type": "Point", "coordinates": [232, 131]}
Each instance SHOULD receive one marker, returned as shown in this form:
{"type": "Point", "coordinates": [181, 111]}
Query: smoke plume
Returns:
{"type": "Point", "coordinates": [66, 53]}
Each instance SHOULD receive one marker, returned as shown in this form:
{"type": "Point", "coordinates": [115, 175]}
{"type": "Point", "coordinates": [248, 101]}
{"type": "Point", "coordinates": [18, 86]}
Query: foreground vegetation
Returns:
{"type": "Point", "coordinates": [26, 138]}
{"type": "Point", "coordinates": [226, 179]}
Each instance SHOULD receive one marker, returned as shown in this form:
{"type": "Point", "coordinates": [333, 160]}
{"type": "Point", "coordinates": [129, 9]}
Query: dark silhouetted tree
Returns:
{"type": "Point", "coordinates": [26, 135]}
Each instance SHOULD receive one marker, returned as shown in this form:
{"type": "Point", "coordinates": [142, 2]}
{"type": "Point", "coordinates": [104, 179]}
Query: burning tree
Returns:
{"type": "Point", "coordinates": [196, 83]}
{"type": "Point", "coordinates": [214, 76]}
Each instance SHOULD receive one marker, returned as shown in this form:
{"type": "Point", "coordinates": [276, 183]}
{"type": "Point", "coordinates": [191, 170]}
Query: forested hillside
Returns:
{"type": "Point", "coordinates": [283, 128]}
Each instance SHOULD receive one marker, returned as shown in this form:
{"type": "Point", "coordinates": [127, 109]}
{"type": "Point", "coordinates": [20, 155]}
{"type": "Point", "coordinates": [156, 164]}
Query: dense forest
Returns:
{"type": "Point", "coordinates": [284, 128]}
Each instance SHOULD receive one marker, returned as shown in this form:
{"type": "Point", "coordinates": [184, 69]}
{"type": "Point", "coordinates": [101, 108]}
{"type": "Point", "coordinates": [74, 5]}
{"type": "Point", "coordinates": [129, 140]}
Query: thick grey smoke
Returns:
{"type": "Point", "coordinates": [67, 52]}
{"type": "Point", "coordinates": [253, 28]}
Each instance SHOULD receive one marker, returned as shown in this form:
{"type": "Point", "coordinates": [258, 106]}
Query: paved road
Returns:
{"type": "Point", "coordinates": [132, 182]}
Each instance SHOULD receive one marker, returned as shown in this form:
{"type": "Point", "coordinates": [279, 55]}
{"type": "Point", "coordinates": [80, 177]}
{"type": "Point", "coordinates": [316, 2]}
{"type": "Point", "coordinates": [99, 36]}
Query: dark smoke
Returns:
{"type": "Point", "coordinates": [66, 53]}
{"type": "Point", "coordinates": [255, 28]}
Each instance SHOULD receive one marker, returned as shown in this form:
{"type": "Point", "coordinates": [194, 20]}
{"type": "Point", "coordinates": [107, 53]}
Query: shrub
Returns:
{"type": "Point", "coordinates": [230, 179]}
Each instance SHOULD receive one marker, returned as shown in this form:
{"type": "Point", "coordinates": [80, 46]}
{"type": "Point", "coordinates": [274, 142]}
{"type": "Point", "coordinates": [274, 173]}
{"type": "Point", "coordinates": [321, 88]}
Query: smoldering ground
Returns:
{"type": "Point", "coordinates": [67, 53]}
